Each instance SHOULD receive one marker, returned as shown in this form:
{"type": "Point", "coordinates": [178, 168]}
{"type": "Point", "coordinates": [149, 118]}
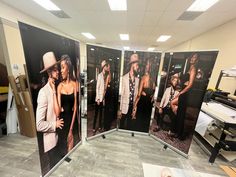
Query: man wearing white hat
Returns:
{"type": "Point", "coordinates": [46, 118]}
{"type": "Point", "coordinates": [129, 91]}
{"type": "Point", "coordinates": [100, 93]}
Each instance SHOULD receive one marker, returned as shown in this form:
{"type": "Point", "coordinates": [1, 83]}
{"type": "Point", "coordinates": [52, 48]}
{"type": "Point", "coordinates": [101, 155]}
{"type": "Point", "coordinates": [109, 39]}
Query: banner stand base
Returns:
{"type": "Point", "coordinates": [66, 158]}
{"type": "Point", "coordinates": [166, 145]}
{"type": "Point", "coordinates": [101, 134]}
{"type": "Point", "coordinates": [132, 132]}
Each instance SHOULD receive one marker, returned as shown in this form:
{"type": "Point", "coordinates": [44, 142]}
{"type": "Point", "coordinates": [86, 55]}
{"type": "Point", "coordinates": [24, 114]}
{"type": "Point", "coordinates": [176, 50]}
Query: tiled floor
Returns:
{"type": "Point", "coordinates": [119, 154]}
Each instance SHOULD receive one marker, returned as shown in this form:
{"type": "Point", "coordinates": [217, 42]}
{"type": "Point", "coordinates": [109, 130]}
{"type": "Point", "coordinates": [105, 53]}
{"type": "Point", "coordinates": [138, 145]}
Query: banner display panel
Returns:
{"type": "Point", "coordinates": [138, 86]}
{"type": "Point", "coordinates": [184, 80]}
{"type": "Point", "coordinates": [53, 63]}
{"type": "Point", "coordinates": [103, 88]}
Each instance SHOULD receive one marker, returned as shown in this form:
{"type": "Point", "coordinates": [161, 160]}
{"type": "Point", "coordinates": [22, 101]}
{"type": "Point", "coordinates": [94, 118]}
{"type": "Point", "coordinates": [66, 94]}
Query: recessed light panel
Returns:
{"type": "Point", "coordinates": [201, 5]}
{"type": "Point", "coordinates": [118, 5]}
{"type": "Point", "coordinates": [47, 4]}
{"type": "Point", "coordinates": [124, 37]}
{"type": "Point", "coordinates": [163, 38]}
{"type": "Point", "coordinates": [151, 49]}
{"type": "Point", "coordinates": [89, 35]}
{"type": "Point", "coordinates": [126, 48]}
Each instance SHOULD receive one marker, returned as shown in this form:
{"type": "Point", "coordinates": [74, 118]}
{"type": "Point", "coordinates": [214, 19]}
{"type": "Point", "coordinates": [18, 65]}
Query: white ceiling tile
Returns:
{"type": "Point", "coordinates": [157, 5]}
{"type": "Point", "coordinates": [151, 18]}
{"type": "Point", "coordinates": [144, 21]}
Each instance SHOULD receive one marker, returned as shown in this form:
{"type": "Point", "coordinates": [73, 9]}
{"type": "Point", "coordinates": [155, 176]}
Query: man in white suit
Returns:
{"type": "Point", "coordinates": [100, 93]}
{"type": "Point", "coordinates": [165, 107]}
{"type": "Point", "coordinates": [46, 118]}
{"type": "Point", "coordinates": [129, 91]}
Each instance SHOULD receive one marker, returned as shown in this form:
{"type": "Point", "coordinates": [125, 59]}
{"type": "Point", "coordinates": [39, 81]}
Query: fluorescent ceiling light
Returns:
{"type": "Point", "coordinates": [88, 35]}
{"type": "Point", "coordinates": [163, 38]}
{"type": "Point", "coordinates": [126, 48]}
{"type": "Point", "coordinates": [92, 49]}
{"type": "Point", "coordinates": [118, 5]}
{"type": "Point", "coordinates": [151, 49]}
{"type": "Point", "coordinates": [124, 37]}
{"type": "Point", "coordinates": [48, 5]}
{"type": "Point", "coordinates": [201, 5]}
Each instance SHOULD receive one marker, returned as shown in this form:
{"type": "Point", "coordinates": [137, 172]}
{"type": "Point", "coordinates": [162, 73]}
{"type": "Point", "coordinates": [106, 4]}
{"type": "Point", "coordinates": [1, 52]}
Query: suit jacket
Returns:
{"type": "Point", "coordinates": [100, 88]}
{"type": "Point", "coordinates": [125, 92]}
{"type": "Point", "coordinates": [166, 96]}
{"type": "Point", "coordinates": [46, 117]}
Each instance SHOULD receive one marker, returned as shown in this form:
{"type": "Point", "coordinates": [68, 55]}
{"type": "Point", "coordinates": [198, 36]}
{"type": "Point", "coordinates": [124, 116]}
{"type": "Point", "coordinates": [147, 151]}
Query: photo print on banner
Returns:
{"type": "Point", "coordinates": [138, 85]}
{"type": "Point", "coordinates": [103, 88]}
{"type": "Point", "coordinates": [184, 80]}
{"type": "Point", "coordinates": [53, 63]}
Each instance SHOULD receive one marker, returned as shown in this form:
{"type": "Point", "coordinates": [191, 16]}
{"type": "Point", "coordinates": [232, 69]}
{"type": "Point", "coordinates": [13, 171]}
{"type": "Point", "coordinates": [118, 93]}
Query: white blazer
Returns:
{"type": "Point", "coordinates": [100, 88]}
{"type": "Point", "coordinates": [166, 96]}
{"type": "Point", "coordinates": [46, 117]}
{"type": "Point", "coordinates": [125, 92]}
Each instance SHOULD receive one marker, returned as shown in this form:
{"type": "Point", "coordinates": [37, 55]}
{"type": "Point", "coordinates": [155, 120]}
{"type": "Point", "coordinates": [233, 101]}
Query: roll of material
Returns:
{"type": "Point", "coordinates": [233, 97]}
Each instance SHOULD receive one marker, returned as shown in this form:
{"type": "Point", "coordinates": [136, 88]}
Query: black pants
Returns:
{"type": "Point", "coordinates": [181, 114]}
{"type": "Point", "coordinates": [126, 121]}
{"type": "Point", "coordinates": [98, 111]}
{"type": "Point", "coordinates": [160, 117]}
{"type": "Point", "coordinates": [53, 156]}
{"type": "Point", "coordinates": [108, 116]}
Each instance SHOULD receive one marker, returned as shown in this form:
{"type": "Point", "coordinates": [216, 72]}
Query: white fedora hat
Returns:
{"type": "Point", "coordinates": [103, 63]}
{"type": "Point", "coordinates": [49, 60]}
{"type": "Point", "coordinates": [133, 58]}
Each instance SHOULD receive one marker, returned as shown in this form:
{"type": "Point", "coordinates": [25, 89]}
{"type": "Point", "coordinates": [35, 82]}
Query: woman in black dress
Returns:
{"type": "Point", "coordinates": [109, 102]}
{"type": "Point", "coordinates": [179, 103]}
{"type": "Point", "coordinates": [144, 100]}
{"type": "Point", "coordinates": [67, 100]}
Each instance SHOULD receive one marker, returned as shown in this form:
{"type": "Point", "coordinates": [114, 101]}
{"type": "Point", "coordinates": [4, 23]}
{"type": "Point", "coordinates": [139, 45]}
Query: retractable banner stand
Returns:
{"type": "Point", "coordinates": [53, 68]}
{"type": "Point", "coordinates": [184, 80]}
{"type": "Point", "coordinates": [138, 85]}
{"type": "Point", "coordinates": [103, 65]}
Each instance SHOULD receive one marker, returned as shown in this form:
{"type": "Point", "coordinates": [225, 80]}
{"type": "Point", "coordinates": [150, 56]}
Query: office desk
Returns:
{"type": "Point", "coordinates": [226, 118]}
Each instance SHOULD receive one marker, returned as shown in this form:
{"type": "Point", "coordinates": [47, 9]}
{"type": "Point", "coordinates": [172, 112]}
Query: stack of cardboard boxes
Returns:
{"type": "Point", "coordinates": [24, 105]}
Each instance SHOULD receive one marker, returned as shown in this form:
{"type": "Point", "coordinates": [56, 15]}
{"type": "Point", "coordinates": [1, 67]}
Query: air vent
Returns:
{"type": "Point", "coordinates": [189, 16]}
{"type": "Point", "coordinates": [60, 14]}
{"type": "Point", "coordinates": [99, 43]}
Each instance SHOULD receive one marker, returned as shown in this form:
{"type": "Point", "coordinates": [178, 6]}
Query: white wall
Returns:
{"type": "Point", "coordinates": [222, 38]}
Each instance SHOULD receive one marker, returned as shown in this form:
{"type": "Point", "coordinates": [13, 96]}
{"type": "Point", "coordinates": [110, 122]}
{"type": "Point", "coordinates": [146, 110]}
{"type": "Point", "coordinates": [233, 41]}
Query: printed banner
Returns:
{"type": "Point", "coordinates": [103, 88]}
{"type": "Point", "coordinates": [138, 85]}
{"type": "Point", "coordinates": [184, 80]}
{"type": "Point", "coordinates": [53, 68]}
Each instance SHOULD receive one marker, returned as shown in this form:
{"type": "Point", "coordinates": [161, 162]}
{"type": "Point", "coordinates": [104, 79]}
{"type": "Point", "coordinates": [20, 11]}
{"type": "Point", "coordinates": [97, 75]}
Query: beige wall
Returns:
{"type": "Point", "coordinates": [222, 38]}
{"type": "Point", "coordinates": [13, 49]}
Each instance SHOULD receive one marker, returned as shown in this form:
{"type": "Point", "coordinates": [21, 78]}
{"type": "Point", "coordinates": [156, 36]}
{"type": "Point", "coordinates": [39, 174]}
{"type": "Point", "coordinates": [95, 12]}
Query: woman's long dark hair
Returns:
{"type": "Point", "coordinates": [189, 58]}
{"type": "Point", "coordinates": [67, 60]}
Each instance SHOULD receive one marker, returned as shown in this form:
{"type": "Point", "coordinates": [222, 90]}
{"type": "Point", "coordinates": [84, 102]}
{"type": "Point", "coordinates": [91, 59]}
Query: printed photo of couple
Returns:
{"type": "Point", "coordinates": [53, 69]}
{"type": "Point", "coordinates": [103, 88]}
{"type": "Point", "coordinates": [184, 79]}
{"type": "Point", "coordinates": [138, 86]}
